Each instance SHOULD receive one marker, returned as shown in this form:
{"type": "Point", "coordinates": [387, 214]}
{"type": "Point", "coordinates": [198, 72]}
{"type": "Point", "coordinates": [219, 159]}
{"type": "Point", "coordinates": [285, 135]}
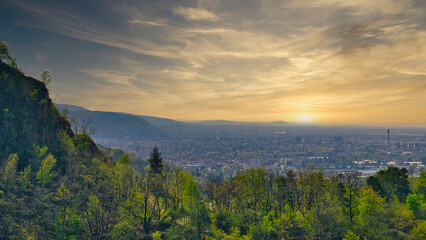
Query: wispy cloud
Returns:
{"type": "Point", "coordinates": [150, 23]}
{"type": "Point", "coordinates": [196, 14]}
{"type": "Point", "coordinates": [345, 62]}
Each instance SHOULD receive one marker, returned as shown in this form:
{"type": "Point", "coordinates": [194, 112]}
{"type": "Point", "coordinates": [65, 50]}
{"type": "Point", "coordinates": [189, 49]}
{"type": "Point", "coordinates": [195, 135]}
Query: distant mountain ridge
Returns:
{"type": "Point", "coordinates": [157, 121]}
{"type": "Point", "coordinates": [112, 124]}
{"type": "Point", "coordinates": [235, 123]}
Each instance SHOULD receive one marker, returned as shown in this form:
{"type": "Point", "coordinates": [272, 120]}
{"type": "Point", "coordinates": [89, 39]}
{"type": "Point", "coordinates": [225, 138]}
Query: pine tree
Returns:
{"type": "Point", "coordinates": [156, 161]}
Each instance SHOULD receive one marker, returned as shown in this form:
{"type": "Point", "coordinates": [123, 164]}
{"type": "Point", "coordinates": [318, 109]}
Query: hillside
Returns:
{"type": "Point", "coordinates": [153, 121]}
{"type": "Point", "coordinates": [112, 124]}
{"type": "Point", "coordinates": [28, 118]}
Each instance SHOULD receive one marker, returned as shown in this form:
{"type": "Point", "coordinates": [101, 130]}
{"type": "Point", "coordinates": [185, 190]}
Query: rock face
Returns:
{"type": "Point", "coordinates": [28, 118]}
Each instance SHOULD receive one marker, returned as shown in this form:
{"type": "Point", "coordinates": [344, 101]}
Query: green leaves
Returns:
{"type": "Point", "coordinates": [419, 231]}
{"type": "Point", "coordinates": [10, 169]}
{"type": "Point", "coordinates": [351, 236]}
{"type": "Point", "coordinates": [45, 77]}
{"type": "Point", "coordinates": [6, 56]}
{"type": "Point", "coordinates": [156, 161]}
{"type": "Point", "coordinates": [63, 195]}
{"type": "Point", "coordinates": [45, 174]}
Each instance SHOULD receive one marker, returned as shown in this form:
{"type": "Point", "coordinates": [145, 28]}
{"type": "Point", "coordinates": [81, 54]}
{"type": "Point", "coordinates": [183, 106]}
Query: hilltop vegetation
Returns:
{"type": "Point", "coordinates": [56, 184]}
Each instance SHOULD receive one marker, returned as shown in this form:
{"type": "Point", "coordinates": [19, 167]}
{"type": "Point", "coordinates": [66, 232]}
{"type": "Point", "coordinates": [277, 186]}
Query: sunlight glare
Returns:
{"type": "Point", "coordinates": [304, 119]}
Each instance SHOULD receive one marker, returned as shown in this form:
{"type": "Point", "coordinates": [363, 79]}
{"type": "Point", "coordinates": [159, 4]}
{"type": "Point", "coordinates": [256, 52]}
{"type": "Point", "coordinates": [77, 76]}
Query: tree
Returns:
{"type": "Point", "coordinates": [63, 197]}
{"type": "Point", "coordinates": [413, 203]}
{"type": "Point", "coordinates": [4, 52]}
{"type": "Point", "coordinates": [351, 236]}
{"type": "Point", "coordinates": [156, 161]}
{"type": "Point", "coordinates": [421, 184]}
{"type": "Point", "coordinates": [419, 231]}
{"type": "Point", "coordinates": [45, 173]}
{"type": "Point", "coordinates": [95, 217]}
{"type": "Point", "coordinates": [352, 184]}
{"type": "Point", "coordinates": [7, 57]}
{"type": "Point", "coordinates": [45, 77]}
{"type": "Point", "coordinates": [390, 182]}
{"type": "Point", "coordinates": [9, 175]}
{"type": "Point", "coordinates": [75, 124]}
{"type": "Point", "coordinates": [84, 127]}
{"type": "Point", "coordinates": [371, 220]}
{"type": "Point", "coordinates": [87, 128]}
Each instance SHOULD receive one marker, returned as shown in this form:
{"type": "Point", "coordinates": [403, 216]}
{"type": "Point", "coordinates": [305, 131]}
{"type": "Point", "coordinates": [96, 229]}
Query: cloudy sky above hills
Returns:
{"type": "Point", "coordinates": [321, 61]}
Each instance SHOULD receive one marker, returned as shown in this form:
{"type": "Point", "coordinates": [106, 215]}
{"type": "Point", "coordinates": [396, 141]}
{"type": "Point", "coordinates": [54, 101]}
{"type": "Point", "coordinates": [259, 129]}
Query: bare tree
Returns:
{"type": "Point", "coordinates": [87, 128]}
{"type": "Point", "coordinates": [75, 124]}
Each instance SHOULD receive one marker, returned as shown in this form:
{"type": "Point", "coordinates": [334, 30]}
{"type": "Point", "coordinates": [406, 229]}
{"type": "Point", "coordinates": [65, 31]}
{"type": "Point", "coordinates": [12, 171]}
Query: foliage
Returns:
{"type": "Point", "coordinates": [46, 174]}
{"type": "Point", "coordinates": [371, 221]}
{"type": "Point", "coordinates": [419, 231]}
{"type": "Point", "coordinates": [351, 236]}
{"type": "Point", "coordinates": [391, 182]}
{"type": "Point", "coordinates": [156, 161]}
{"type": "Point", "coordinates": [7, 57]}
{"type": "Point", "coordinates": [45, 77]}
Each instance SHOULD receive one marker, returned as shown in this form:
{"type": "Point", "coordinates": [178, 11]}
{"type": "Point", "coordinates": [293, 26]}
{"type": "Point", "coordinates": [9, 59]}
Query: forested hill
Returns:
{"type": "Point", "coordinates": [112, 124]}
{"type": "Point", "coordinates": [30, 120]}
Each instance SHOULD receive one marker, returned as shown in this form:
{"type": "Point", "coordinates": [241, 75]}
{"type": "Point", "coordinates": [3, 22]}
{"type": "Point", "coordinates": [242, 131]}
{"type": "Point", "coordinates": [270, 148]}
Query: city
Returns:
{"type": "Point", "coordinates": [225, 151]}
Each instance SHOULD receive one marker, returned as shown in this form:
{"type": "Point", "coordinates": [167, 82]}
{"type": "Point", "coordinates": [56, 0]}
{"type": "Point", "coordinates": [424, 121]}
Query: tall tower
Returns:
{"type": "Point", "coordinates": [388, 147]}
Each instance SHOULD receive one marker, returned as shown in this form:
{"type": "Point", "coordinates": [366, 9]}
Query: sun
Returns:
{"type": "Point", "coordinates": [304, 119]}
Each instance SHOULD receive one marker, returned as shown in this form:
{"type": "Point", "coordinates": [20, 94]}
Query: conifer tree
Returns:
{"type": "Point", "coordinates": [156, 161]}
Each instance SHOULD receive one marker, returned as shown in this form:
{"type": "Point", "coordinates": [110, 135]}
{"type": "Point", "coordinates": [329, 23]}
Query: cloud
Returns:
{"type": "Point", "coordinates": [195, 14]}
{"type": "Point", "coordinates": [345, 62]}
{"type": "Point", "coordinates": [150, 23]}
{"type": "Point", "coordinates": [40, 59]}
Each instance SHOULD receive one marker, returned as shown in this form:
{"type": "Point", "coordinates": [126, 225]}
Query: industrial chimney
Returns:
{"type": "Point", "coordinates": [388, 147]}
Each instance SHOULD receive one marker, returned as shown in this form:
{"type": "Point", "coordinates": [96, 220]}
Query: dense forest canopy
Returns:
{"type": "Point", "coordinates": [56, 184]}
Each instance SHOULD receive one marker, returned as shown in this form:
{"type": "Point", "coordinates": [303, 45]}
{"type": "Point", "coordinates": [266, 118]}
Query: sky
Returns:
{"type": "Point", "coordinates": [326, 62]}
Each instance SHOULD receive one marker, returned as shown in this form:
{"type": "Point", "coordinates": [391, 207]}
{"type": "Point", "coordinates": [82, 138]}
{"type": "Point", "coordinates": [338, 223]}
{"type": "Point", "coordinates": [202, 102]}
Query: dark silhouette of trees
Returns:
{"type": "Point", "coordinates": [391, 182]}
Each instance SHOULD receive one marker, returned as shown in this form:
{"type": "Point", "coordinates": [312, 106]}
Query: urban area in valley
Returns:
{"type": "Point", "coordinates": [225, 150]}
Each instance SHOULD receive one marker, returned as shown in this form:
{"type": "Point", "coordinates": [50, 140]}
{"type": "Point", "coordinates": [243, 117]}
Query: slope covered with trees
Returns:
{"type": "Point", "coordinates": [55, 184]}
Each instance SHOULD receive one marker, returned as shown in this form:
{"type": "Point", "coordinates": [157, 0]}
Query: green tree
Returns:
{"type": "Point", "coordinates": [45, 77]}
{"type": "Point", "coordinates": [9, 175]}
{"type": "Point", "coordinates": [419, 231]}
{"type": "Point", "coordinates": [63, 197]}
{"type": "Point", "coordinates": [421, 184]}
{"type": "Point", "coordinates": [198, 213]}
{"type": "Point", "coordinates": [124, 160]}
{"type": "Point", "coordinates": [156, 236]}
{"type": "Point", "coordinates": [414, 204]}
{"type": "Point", "coordinates": [95, 217]}
{"type": "Point", "coordinates": [156, 161]}
{"type": "Point", "coordinates": [352, 184]}
{"type": "Point", "coordinates": [45, 174]}
{"type": "Point", "coordinates": [390, 182]}
{"type": "Point", "coordinates": [351, 236]}
{"type": "Point", "coordinates": [6, 56]}
{"type": "Point", "coordinates": [124, 230]}
{"type": "Point", "coordinates": [371, 220]}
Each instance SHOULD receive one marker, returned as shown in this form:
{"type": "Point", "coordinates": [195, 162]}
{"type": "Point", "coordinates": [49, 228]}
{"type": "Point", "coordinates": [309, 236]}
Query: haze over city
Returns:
{"type": "Point", "coordinates": [320, 62]}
